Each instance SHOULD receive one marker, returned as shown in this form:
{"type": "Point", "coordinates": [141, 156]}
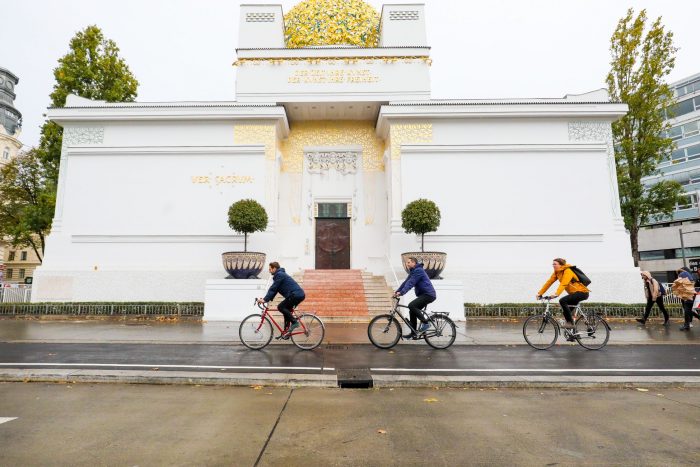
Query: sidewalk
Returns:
{"type": "Point", "coordinates": [471, 332]}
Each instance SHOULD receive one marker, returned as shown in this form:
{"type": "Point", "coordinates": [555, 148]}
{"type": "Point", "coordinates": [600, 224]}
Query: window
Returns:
{"type": "Point", "coordinates": [651, 255]}
{"type": "Point", "coordinates": [21, 273]}
{"type": "Point", "coordinates": [9, 273]}
{"type": "Point", "coordinates": [6, 153]}
{"type": "Point", "coordinates": [691, 202]}
{"type": "Point", "coordinates": [684, 131]}
{"type": "Point", "coordinates": [11, 256]}
{"type": "Point", "coordinates": [683, 107]}
{"type": "Point", "coordinates": [23, 256]}
{"type": "Point", "coordinates": [332, 210]}
{"type": "Point", "coordinates": [688, 88]}
{"type": "Point", "coordinates": [686, 154]}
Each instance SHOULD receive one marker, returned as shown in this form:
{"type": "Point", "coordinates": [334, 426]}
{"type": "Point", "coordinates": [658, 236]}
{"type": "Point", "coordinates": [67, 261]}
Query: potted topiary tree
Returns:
{"type": "Point", "coordinates": [245, 216]}
{"type": "Point", "coordinates": [420, 217]}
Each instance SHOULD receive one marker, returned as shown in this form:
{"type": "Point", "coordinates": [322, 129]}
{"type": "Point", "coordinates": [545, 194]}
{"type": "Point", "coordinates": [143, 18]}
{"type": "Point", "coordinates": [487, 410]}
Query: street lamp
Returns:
{"type": "Point", "coordinates": [680, 232]}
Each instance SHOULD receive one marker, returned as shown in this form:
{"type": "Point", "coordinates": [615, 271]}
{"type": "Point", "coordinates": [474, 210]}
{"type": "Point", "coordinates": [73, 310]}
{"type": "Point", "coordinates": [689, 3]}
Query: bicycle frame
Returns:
{"type": "Point", "coordinates": [407, 322]}
{"type": "Point", "coordinates": [577, 312]}
{"type": "Point", "coordinates": [266, 314]}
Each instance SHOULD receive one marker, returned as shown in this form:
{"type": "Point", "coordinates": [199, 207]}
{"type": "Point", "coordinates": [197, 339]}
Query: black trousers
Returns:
{"type": "Point", "coordinates": [660, 302]}
{"type": "Point", "coordinates": [286, 306]}
{"type": "Point", "coordinates": [569, 300]}
{"type": "Point", "coordinates": [688, 311]}
{"type": "Point", "coordinates": [415, 309]}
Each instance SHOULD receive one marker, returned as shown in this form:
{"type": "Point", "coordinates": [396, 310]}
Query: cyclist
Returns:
{"type": "Point", "coordinates": [684, 288]}
{"type": "Point", "coordinates": [293, 294]}
{"type": "Point", "coordinates": [577, 292]}
{"type": "Point", "coordinates": [425, 294]}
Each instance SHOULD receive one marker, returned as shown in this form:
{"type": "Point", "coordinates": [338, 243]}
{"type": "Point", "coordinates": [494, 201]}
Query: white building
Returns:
{"type": "Point", "coordinates": [145, 187]}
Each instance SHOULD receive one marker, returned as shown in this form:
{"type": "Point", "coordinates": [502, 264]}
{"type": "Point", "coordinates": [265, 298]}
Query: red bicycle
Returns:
{"type": "Point", "coordinates": [256, 330]}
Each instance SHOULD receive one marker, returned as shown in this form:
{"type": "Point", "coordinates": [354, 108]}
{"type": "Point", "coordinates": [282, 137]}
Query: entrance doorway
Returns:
{"type": "Point", "coordinates": [332, 236]}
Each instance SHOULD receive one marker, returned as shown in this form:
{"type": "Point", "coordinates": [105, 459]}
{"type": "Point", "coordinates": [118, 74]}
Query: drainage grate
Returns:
{"type": "Point", "coordinates": [354, 378]}
{"type": "Point", "coordinates": [337, 347]}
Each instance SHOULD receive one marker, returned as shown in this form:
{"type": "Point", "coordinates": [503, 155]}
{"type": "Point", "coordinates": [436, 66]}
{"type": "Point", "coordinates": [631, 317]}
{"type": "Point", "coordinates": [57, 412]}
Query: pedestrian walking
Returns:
{"type": "Point", "coordinates": [654, 292]}
{"type": "Point", "coordinates": [684, 288]}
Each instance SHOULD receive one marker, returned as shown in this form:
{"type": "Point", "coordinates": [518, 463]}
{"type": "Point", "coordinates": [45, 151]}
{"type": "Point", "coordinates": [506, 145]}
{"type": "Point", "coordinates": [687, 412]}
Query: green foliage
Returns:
{"type": "Point", "coordinates": [93, 69]}
{"type": "Point", "coordinates": [639, 64]}
{"type": "Point", "coordinates": [420, 217]}
{"type": "Point", "coordinates": [247, 216]}
{"type": "Point", "coordinates": [27, 203]}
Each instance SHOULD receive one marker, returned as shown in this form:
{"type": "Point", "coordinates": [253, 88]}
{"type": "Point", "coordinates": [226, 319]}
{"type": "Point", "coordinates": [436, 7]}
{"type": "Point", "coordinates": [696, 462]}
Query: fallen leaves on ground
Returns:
{"type": "Point", "coordinates": [257, 388]}
{"type": "Point", "coordinates": [430, 400]}
{"type": "Point", "coordinates": [381, 432]}
{"type": "Point", "coordinates": [642, 390]}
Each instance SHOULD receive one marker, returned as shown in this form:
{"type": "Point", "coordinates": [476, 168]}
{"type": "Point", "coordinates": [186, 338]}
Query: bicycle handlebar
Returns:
{"type": "Point", "coordinates": [546, 297]}
{"type": "Point", "coordinates": [262, 306]}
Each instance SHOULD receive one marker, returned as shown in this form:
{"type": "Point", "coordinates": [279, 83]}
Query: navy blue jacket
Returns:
{"type": "Point", "coordinates": [283, 284]}
{"type": "Point", "coordinates": [419, 279]}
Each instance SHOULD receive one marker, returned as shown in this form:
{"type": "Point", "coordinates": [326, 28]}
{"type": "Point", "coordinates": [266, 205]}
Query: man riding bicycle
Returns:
{"type": "Point", "coordinates": [293, 294]}
{"type": "Point", "coordinates": [425, 294]}
{"type": "Point", "coordinates": [577, 292]}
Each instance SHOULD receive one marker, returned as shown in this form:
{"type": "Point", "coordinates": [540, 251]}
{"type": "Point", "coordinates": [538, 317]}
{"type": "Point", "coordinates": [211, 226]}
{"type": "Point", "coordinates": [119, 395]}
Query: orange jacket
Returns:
{"type": "Point", "coordinates": [567, 280]}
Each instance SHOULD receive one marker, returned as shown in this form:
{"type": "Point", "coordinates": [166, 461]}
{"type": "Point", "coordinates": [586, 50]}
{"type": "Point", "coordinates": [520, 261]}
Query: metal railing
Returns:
{"type": "Point", "coordinates": [15, 294]}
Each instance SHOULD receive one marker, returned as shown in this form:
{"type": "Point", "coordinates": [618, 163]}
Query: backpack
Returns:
{"type": "Point", "coordinates": [662, 289]}
{"type": "Point", "coordinates": [582, 278]}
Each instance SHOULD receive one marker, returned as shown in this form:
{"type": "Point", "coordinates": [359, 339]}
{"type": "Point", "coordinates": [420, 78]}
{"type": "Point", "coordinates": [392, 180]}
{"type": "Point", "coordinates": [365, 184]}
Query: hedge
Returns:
{"type": "Point", "coordinates": [615, 310]}
{"type": "Point", "coordinates": [104, 308]}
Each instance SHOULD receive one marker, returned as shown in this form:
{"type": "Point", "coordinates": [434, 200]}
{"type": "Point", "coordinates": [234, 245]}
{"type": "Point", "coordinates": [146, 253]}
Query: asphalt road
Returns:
{"type": "Point", "coordinates": [656, 360]}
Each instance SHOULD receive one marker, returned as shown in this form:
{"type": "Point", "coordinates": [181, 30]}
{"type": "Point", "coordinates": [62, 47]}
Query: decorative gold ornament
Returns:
{"type": "Point", "coordinates": [331, 133]}
{"type": "Point", "coordinates": [257, 134]}
{"type": "Point", "coordinates": [332, 60]}
{"type": "Point", "coordinates": [407, 134]}
{"type": "Point", "coordinates": [331, 22]}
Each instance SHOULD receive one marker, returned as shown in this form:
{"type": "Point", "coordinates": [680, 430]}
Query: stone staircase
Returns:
{"type": "Point", "coordinates": [377, 294]}
{"type": "Point", "coordinates": [342, 295]}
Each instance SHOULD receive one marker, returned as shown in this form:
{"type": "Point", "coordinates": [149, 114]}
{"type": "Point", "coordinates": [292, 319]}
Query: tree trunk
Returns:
{"type": "Point", "coordinates": [245, 241]}
{"type": "Point", "coordinates": [422, 243]}
{"type": "Point", "coordinates": [634, 242]}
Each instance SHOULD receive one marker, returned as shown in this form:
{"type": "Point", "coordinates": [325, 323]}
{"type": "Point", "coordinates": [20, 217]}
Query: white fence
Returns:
{"type": "Point", "coordinates": [17, 293]}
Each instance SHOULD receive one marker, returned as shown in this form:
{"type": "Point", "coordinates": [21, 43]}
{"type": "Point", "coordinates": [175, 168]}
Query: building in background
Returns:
{"type": "Point", "coordinates": [660, 242]}
{"type": "Point", "coordinates": [10, 127]}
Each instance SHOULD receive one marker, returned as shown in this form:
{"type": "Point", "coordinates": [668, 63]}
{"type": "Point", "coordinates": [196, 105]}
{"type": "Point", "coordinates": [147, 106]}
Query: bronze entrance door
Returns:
{"type": "Point", "coordinates": [332, 243]}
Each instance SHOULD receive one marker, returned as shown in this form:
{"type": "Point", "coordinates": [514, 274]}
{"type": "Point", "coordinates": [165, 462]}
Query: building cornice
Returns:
{"type": "Point", "coordinates": [497, 109]}
{"type": "Point", "coordinates": [206, 111]}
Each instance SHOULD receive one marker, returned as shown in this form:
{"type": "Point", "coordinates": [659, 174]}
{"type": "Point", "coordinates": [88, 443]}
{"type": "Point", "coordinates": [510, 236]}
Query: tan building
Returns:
{"type": "Point", "coordinates": [19, 264]}
{"type": "Point", "coordinates": [10, 128]}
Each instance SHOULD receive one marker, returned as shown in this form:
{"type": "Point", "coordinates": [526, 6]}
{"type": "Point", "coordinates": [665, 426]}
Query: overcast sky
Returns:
{"type": "Point", "coordinates": [183, 49]}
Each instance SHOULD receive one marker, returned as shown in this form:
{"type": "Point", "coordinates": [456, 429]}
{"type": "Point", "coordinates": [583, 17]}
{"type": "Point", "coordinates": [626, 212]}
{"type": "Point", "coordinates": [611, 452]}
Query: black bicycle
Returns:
{"type": "Point", "coordinates": [384, 331]}
{"type": "Point", "coordinates": [591, 331]}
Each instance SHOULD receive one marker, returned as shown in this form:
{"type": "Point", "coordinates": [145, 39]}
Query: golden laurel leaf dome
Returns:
{"type": "Point", "coordinates": [331, 22]}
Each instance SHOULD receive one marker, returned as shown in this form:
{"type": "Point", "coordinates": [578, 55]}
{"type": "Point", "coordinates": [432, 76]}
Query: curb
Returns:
{"type": "Point", "coordinates": [169, 377]}
{"type": "Point", "coordinates": [330, 380]}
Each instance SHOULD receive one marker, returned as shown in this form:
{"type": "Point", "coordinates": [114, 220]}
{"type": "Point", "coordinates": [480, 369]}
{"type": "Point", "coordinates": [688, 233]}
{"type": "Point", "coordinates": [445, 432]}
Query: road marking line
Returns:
{"type": "Point", "coordinates": [140, 365]}
{"type": "Point", "coordinates": [6, 419]}
{"type": "Point", "coordinates": [535, 370]}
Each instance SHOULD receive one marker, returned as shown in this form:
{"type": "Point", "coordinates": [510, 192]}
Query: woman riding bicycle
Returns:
{"type": "Point", "coordinates": [425, 294]}
{"type": "Point", "coordinates": [577, 292]}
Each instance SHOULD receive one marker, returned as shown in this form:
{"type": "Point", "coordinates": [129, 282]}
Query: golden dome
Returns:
{"type": "Point", "coordinates": [331, 22]}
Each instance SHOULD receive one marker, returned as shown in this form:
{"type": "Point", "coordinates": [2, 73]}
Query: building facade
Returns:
{"type": "Point", "coordinates": [343, 127]}
{"type": "Point", "coordinates": [660, 242]}
{"type": "Point", "coordinates": [10, 128]}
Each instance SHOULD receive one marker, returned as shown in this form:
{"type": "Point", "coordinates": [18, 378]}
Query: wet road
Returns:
{"type": "Point", "coordinates": [647, 360]}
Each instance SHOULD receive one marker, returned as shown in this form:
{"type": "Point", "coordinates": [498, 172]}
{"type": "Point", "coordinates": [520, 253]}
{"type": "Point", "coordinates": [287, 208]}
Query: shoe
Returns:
{"type": "Point", "coordinates": [641, 320]}
{"type": "Point", "coordinates": [410, 335]}
{"type": "Point", "coordinates": [424, 327]}
{"type": "Point", "coordinates": [684, 328]}
{"type": "Point", "coordinates": [667, 322]}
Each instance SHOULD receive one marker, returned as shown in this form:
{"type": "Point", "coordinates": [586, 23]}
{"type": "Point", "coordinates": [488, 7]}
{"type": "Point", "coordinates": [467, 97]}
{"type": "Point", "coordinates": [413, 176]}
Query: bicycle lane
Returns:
{"type": "Point", "coordinates": [406, 361]}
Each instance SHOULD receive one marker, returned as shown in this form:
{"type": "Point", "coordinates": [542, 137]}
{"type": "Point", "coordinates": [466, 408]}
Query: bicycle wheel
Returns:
{"type": "Point", "coordinates": [255, 332]}
{"type": "Point", "coordinates": [384, 331]}
{"type": "Point", "coordinates": [540, 332]}
{"type": "Point", "coordinates": [592, 331]}
{"type": "Point", "coordinates": [443, 333]}
{"type": "Point", "coordinates": [313, 336]}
